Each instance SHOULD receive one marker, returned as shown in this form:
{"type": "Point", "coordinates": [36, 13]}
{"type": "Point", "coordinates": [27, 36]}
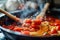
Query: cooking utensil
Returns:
{"type": "Point", "coordinates": [43, 29]}
{"type": "Point", "coordinates": [43, 12]}
{"type": "Point", "coordinates": [41, 15]}
{"type": "Point", "coordinates": [10, 15]}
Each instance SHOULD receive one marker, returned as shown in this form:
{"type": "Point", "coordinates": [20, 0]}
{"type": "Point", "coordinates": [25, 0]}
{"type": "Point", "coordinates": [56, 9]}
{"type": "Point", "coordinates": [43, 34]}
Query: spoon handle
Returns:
{"type": "Point", "coordinates": [42, 13]}
{"type": "Point", "coordinates": [10, 15]}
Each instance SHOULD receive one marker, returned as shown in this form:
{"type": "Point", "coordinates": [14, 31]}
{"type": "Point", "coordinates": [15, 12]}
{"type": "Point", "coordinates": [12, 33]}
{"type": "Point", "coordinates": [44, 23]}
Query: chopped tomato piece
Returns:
{"type": "Point", "coordinates": [54, 24]}
{"type": "Point", "coordinates": [33, 26]}
{"type": "Point", "coordinates": [51, 19]}
{"type": "Point", "coordinates": [10, 27]}
{"type": "Point", "coordinates": [26, 32]}
{"type": "Point", "coordinates": [17, 29]}
{"type": "Point", "coordinates": [37, 21]}
{"type": "Point", "coordinates": [57, 21]}
{"type": "Point", "coordinates": [32, 29]}
{"type": "Point", "coordinates": [25, 24]}
{"type": "Point", "coordinates": [27, 21]}
{"type": "Point", "coordinates": [25, 28]}
{"type": "Point", "coordinates": [53, 31]}
{"type": "Point", "coordinates": [58, 28]}
{"type": "Point", "coordinates": [4, 26]}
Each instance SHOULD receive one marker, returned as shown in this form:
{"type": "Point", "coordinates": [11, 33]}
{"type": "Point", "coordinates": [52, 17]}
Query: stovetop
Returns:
{"type": "Point", "coordinates": [2, 37]}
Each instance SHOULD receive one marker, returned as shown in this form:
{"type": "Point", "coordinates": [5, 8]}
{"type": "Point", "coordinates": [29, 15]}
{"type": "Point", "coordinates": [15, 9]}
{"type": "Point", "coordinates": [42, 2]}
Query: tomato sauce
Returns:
{"type": "Point", "coordinates": [36, 27]}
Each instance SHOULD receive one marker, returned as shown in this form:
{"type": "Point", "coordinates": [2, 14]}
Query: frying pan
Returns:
{"type": "Point", "coordinates": [18, 36]}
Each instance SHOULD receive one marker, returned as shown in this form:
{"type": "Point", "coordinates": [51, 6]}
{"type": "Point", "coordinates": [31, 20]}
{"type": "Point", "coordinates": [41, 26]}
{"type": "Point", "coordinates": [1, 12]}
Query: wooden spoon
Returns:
{"type": "Point", "coordinates": [42, 13]}
{"type": "Point", "coordinates": [10, 15]}
{"type": "Point", "coordinates": [43, 29]}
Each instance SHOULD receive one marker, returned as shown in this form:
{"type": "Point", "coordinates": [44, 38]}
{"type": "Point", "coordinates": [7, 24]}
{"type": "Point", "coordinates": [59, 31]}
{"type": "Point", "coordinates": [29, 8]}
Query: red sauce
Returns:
{"type": "Point", "coordinates": [29, 26]}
